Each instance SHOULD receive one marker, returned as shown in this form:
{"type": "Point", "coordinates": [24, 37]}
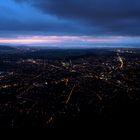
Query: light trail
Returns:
{"type": "Point", "coordinates": [121, 61]}
{"type": "Point", "coordinates": [69, 97]}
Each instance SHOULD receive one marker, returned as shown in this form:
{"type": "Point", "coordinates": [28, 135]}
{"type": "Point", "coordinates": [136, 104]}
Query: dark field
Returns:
{"type": "Point", "coordinates": [69, 88]}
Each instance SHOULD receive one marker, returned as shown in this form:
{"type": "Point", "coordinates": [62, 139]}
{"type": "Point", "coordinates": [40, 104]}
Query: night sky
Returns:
{"type": "Point", "coordinates": [68, 23]}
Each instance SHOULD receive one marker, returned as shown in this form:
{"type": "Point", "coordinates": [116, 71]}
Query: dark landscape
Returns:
{"type": "Point", "coordinates": [70, 64]}
{"type": "Point", "coordinates": [63, 88]}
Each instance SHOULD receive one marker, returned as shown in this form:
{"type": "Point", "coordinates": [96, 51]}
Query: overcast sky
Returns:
{"type": "Point", "coordinates": [69, 22]}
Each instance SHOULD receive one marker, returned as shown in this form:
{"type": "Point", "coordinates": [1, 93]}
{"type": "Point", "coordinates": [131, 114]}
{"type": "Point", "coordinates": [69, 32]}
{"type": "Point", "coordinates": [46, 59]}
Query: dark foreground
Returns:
{"type": "Point", "coordinates": [69, 88]}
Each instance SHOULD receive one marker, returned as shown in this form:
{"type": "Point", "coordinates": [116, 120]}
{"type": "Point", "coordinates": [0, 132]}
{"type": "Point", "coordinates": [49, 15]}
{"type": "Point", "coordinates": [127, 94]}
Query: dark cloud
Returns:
{"type": "Point", "coordinates": [87, 8]}
{"type": "Point", "coordinates": [24, 19]}
{"type": "Point", "coordinates": [70, 17]}
{"type": "Point", "coordinates": [117, 17]}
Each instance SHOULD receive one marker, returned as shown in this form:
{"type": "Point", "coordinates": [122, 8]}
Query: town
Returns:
{"type": "Point", "coordinates": [45, 92]}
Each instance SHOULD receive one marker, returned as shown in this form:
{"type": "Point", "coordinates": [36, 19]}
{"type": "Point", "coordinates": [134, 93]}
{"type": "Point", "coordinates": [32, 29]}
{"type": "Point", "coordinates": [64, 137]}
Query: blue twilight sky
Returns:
{"type": "Point", "coordinates": [70, 22]}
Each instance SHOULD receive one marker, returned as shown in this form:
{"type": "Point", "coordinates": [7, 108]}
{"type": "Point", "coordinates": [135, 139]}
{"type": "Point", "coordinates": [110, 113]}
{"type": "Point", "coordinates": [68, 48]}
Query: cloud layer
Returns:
{"type": "Point", "coordinates": [75, 18]}
{"type": "Point", "coordinates": [102, 16]}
